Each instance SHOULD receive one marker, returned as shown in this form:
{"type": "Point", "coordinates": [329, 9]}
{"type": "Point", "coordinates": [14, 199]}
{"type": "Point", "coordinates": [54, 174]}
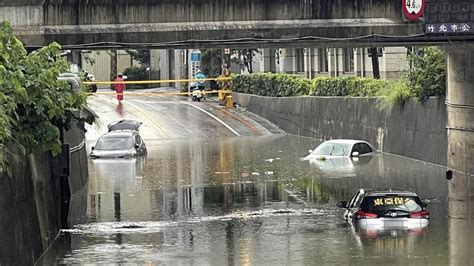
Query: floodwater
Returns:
{"type": "Point", "coordinates": [251, 200]}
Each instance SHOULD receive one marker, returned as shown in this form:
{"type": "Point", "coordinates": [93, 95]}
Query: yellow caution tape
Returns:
{"type": "Point", "coordinates": [154, 81]}
{"type": "Point", "coordinates": [157, 93]}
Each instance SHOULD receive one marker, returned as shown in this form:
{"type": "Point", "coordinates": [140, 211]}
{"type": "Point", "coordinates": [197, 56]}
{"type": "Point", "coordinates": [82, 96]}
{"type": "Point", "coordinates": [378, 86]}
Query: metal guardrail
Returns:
{"type": "Point", "coordinates": [78, 147]}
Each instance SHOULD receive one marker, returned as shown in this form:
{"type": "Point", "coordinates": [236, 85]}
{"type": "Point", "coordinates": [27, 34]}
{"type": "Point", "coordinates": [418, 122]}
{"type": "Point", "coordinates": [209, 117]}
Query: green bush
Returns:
{"type": "Point", "coordinates": [398, 92]}
{"type": "Point", "coordinates": [347, 86]}
{"type": "Point", "coordinates": [271, 84]}
{"type": "Point", "coordinates": [136, 73]}
{"type": "Point", "coordinates": [426, 78]}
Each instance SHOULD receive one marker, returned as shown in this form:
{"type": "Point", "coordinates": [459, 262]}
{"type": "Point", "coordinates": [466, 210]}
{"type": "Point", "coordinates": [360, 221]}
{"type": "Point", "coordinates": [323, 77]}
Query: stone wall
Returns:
{"type": "Point", "coordinates": [415, 130]}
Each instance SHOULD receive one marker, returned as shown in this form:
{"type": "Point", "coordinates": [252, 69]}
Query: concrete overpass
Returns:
{"type": "Point", "coordinates": [92, 24]}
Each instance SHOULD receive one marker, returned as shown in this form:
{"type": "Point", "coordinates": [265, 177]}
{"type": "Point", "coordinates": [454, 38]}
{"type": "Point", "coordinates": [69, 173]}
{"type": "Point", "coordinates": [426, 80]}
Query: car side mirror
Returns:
{"type": "Point", "coordinates": [342, 204]}
{"type": "Point", "coordinates": [355, 154]}
{"type": "Point", "coordinates": [310, 151]}
{"type": "Point", "coordinates": [92, 148]}
{"type": "Point", "coordinates": [137, 145]}
{"type": "Point", "coordinates": [424, 204]}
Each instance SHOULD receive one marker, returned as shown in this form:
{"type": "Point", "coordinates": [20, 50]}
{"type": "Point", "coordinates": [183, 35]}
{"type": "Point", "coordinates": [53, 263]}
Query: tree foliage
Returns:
{"type": "Point", "coordinates": [35, 105]}
{"type": "Point", "coordinates": [244, 58]}
{"type": "Point", "coordinates": [141, 55]}
{"type": "Point", "coordinates": [427, 76]}
{"type": "Point", "coordinates": [211, 62]}
{"type": "Point", "coordinates": [136, 73]}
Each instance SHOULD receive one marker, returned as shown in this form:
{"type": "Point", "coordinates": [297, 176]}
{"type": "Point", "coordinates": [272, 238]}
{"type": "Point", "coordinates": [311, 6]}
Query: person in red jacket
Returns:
{"type": "Point", "coordinates": [119, 86]}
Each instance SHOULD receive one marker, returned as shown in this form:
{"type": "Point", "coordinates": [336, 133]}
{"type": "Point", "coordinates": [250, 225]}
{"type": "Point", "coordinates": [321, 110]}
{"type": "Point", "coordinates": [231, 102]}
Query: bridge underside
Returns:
{"type": "Point", "coordinates": [237, 34]}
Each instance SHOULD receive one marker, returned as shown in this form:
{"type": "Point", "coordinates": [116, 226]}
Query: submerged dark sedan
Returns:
{"type": "Point", "coordinates": [119, 144]}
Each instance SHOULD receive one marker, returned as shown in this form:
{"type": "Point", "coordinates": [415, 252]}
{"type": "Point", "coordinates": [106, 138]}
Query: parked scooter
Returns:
{"type": "Point", "coordinates": [90, 77]}
{"type": "Point", "coordinates": [197, 92]}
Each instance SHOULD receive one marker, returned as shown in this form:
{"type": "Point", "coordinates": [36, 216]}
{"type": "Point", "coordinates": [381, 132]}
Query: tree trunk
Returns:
{"type": "Point", "coordinates": [113, 66]}
{"type": "Point", "coordinates": [375, 62]}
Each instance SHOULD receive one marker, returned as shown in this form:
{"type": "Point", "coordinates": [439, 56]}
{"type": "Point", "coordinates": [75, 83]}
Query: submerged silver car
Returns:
{"type": "Point", "coordinates": [379, 210]}
{"type": "Point", "coordinates": [122, 141]}
{"type": "Point", "coordinates": [338, 148]}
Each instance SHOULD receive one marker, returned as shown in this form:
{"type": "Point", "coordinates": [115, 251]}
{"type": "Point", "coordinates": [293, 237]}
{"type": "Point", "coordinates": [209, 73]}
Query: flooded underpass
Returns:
{"type": "Point", "coordinates": [252, 200]}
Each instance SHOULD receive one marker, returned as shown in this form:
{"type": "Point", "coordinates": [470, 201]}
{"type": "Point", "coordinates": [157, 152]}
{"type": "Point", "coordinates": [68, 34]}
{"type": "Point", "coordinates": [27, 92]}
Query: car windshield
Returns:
{"type": "Point", "coordinates": [114, 143]}
{"type": "Point", "coordinates": [383, 204]}
{"type": "Point", "coordinates": [333, 149]}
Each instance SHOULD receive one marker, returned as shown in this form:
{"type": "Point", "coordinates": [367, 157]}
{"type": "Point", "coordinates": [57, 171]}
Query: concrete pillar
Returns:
{"type": "Point", "coordinates": [176, 54]}
{"type": "Point", "coordinates": [171, 66]}
{"type": "Point", "coordinates": [155, 65]}
{"type": "Point", "coordinates": [460, 129]}
{"type": "Point", "coordinates": [460, 107]}
{"type": "Point", "coordinates": [330, 61]}
{"type": "Point", "coordinates": [289, 66]}
{"type": "Point", "coordinates": [164, 67]}
{"type": "Point", "coordinates": [266, 57]}
{"type": "Point", "coordinates": [76, 57]}
{"type": "Point", "coordinates": [333, 65]}
{"type": "Point", "coordinates": [281, 60]}
{"type": "Point", "coordinates": [272, 60]}
{"type": "Point", "coordinates": [308, 63]}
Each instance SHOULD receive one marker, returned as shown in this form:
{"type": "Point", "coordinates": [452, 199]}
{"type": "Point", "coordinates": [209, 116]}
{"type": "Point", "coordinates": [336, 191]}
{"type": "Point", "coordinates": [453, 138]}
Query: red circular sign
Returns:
{"type": "Point", "coordinates": [413, 9]}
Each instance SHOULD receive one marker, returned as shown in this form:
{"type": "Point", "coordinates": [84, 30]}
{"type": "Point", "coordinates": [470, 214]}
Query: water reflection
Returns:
{"type": "Point", "coordinates": [252, 200]}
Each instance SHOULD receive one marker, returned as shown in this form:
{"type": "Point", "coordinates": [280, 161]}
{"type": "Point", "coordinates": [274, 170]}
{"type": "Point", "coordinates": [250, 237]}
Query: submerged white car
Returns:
{"type": "Point", "coordinates": [337, 148]}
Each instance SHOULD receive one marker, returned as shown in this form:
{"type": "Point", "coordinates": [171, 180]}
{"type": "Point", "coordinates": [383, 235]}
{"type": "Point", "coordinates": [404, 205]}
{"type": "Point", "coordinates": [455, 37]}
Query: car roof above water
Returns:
{"type": "Point", "coordinates": [345, 141]}
{"type": "Point", "coordinates": [125, 124]}
{"type": "Point", "coordinates": [118, 134]}
{"type": "Point", "coordinates": [391, 192]}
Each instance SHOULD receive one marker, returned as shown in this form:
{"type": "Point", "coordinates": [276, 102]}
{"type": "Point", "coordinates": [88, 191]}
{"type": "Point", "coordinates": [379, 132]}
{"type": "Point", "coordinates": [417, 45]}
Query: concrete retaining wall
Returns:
{"type": "Point", "coordinates": [28, 200]}
{"type": "Point", "coordinates": [414, 130]}
{"type": "Point", "coordinates": [32, 197]}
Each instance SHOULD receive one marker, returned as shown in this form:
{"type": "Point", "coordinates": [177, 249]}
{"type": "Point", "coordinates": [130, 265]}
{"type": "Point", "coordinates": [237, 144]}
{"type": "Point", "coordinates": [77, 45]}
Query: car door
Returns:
{"type": "Point", "coordinates": [353, 205]}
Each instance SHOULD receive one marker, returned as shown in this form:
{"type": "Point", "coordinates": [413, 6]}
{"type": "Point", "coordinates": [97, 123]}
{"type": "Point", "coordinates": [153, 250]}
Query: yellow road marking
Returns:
{"type": "Point", "coordinates": [253, 128]}
{"type": "Point", "coordinates": [151, 120]}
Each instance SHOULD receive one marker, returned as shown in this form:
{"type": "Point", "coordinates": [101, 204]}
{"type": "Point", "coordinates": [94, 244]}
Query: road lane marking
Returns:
{"type": "Point", "coordinates": [153, 122]}
{"type": "Point", "coordinates": [247, 124]}
{"type": "Point", "coordinates": [216, 118]}
{"type": "Point", "coordinates": [181, 124]}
